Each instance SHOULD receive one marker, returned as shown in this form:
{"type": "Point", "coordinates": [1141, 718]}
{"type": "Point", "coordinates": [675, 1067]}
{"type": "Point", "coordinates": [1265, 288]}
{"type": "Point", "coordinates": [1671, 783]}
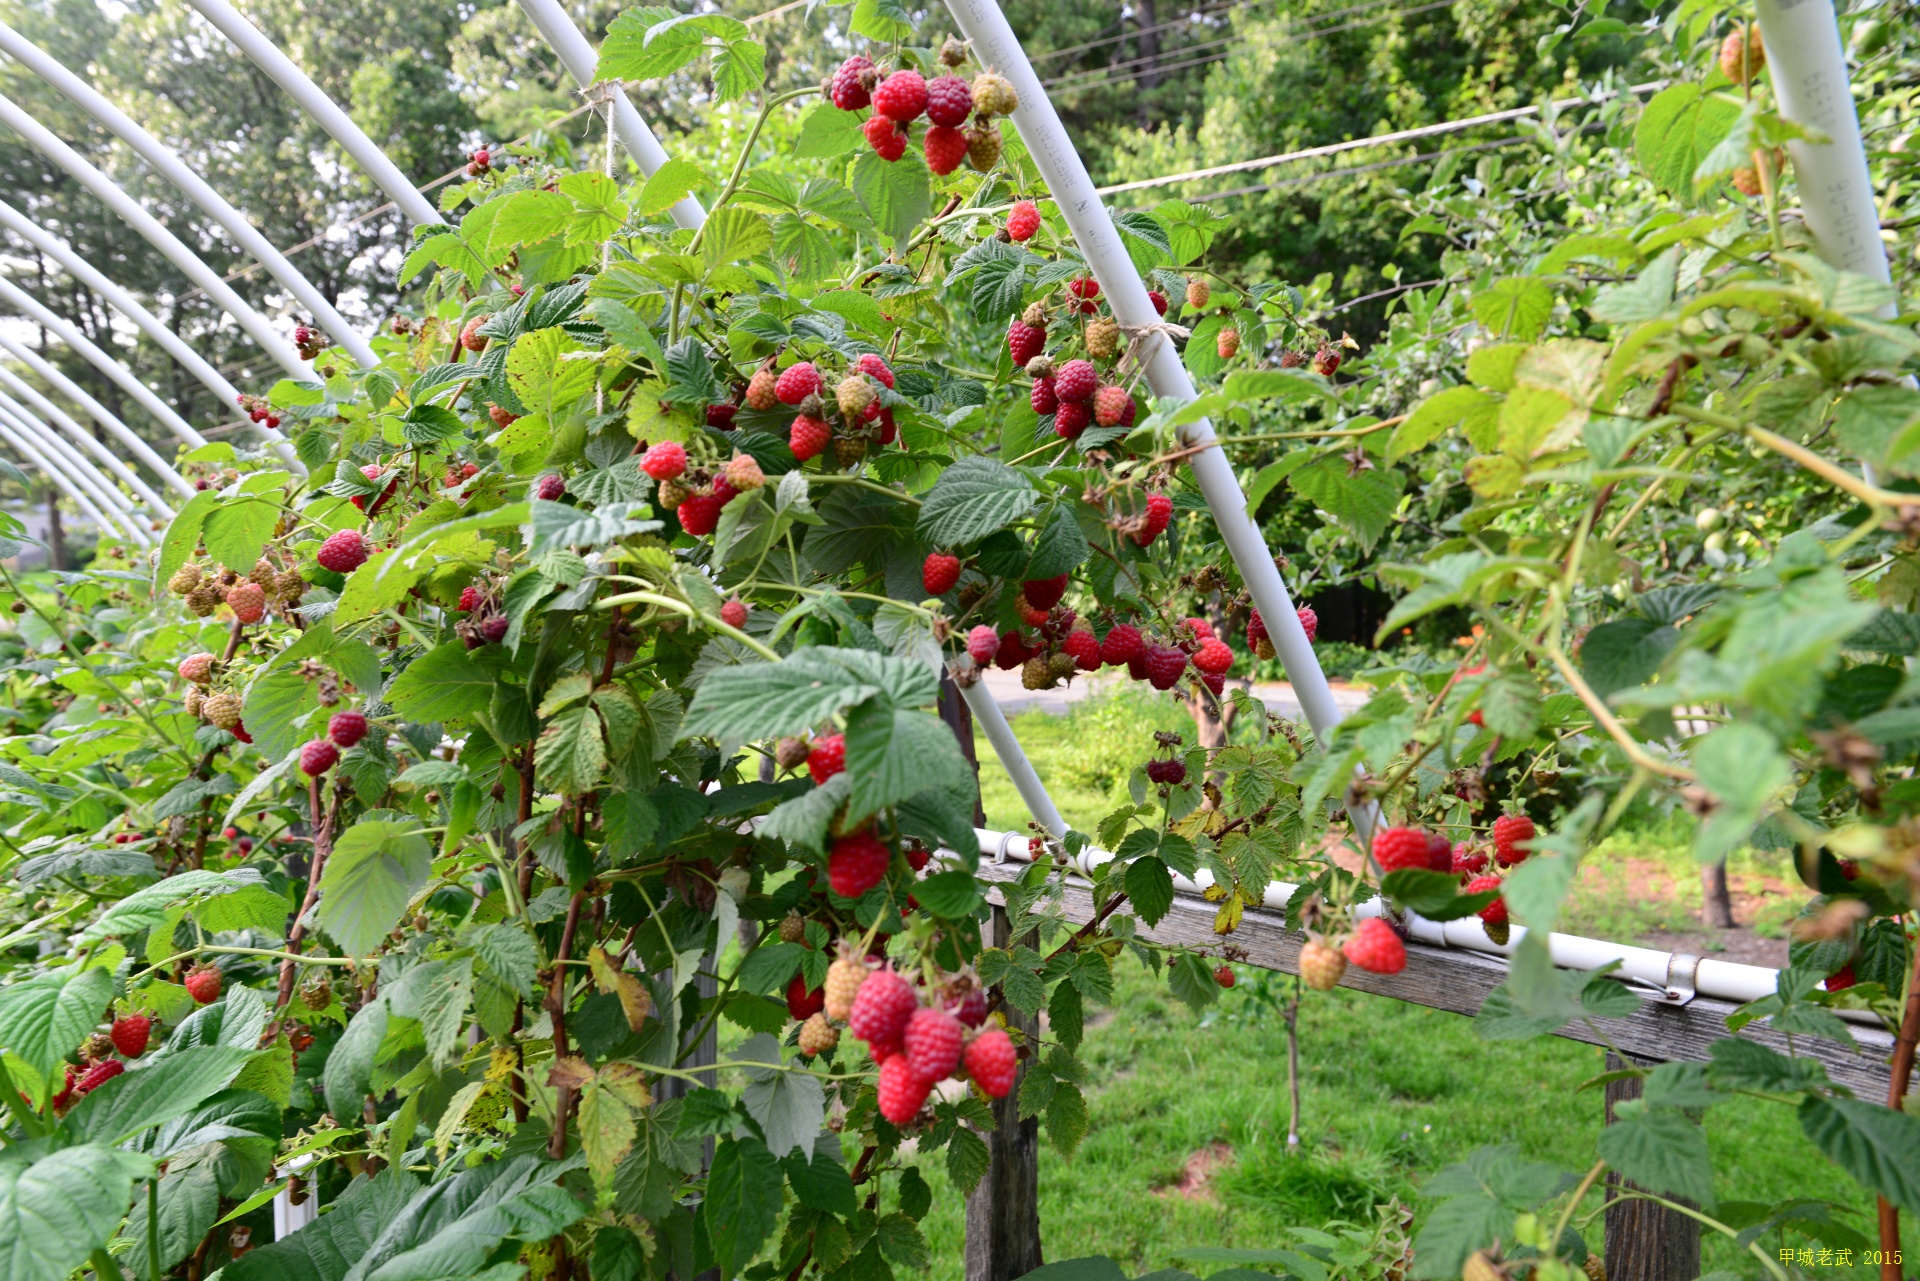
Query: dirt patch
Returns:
{"type": "Point", "coordinates": [1196, 1176]}
{"type": "Point", "coordinates": [1642, 901]}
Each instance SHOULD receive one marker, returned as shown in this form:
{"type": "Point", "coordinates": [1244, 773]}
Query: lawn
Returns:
{"type": "Point", "coordinates": [1187, 1142]}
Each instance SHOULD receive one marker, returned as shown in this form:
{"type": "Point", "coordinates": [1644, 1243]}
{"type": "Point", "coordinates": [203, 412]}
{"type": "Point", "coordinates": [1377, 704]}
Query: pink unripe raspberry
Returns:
{"type": "Point", "coordinates": [734, 613]}
{"type": "Point", "coordinates": [1022, 221]}
{"type": "Point", "coordinates": [347, 728]}
{"type": "Point", "coordinates": [197, 668]}
{"type": "Point", "coordinates": [983, 643]}
{"type": "Point", "coordinates": [796, 383]}
{"type": "Point", "coordinates": [247, 601]}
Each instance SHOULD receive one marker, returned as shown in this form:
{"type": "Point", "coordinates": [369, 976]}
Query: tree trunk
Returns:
{"type": "Point", "coordinates": [1716, 907]}
{"type": "Point", "coordinates": [1645, 1241]}
{"type": "Point", "coordinates": [56, 536]}
{"type": "Point", "coordinates": [1003, 1214]}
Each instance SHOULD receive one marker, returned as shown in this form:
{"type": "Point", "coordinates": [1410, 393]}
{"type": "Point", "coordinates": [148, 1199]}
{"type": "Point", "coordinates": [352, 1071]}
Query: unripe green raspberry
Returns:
{"type": "Point", "coordinates": [184, 580]}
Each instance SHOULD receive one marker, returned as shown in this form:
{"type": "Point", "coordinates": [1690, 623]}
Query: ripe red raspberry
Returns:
{"type": "Point", "coordinates": [1012, 652]}
{"type": "Point", "coordinates": [1025, 341]}
{"type": "Point", "coordinates": [247, 601]}
{"type": "Point", "coordinates": [992, 1062]}
{"type": "Point", "coordinates": [699, 514]}
{"type": "Point", "coordinates": [881, 1010]}
{"type": "Point", "coordinates": [665, 460]}
{"type": "Point", "coordinates": [1509, 830]}
{"type": "Point", "coordinates": [720, 417]}
{"type": "Point", "coordinates": [346, 728]}
{"type": "Point", "coordinates": [1159, 301]}
{"type": "Point", "coordinates": [1075, 382]}
{"type": "Point", "coordinates": [1439, 852]}
{"type": "Point", "coordinates": [64, 1100]}
{"type": "Point", "coordinates": [1224, 976]}
{"type": "Point", "coordinates": [1400, 847]}
{"type": "Point", "coordinates": [130, 1033]}
{"type": "Point", "coordinates": [1122, 645]}
{"type": "Point", "coordinates": [857, 863]}
{"type": "Point", "coordinates": [343, 552]}
{"type": "Point", "coordinates": [888, 429]}
{"type": "Point", "coordinates": [949, 101]}
{"type": "Point", "coordinates": [1201, 629]}
{"type": "Point", "coordinates": [796, 383]}
{"type": "Point", "coordinates": [1084, 648]}
{"type": "Point", "coordinates": [1165, 665]}
{"type": "Point", "coordinates": [901, 96]}
{"type": "Point", "coordinates": [760, 394]}
{"type": "Point", "coordinates": [1215, 682]}
{"type": "Point", "coordinates": [1468, 861]}
{"type": "Point", "coordinates": [887, 138]}
{"type": "Point", "coordinates": [902, 1093]}
{"type": "Point", "coordinates": [1110, 405]}
{"type": "Point", "coordinates": [1044, 593]}
{"type": "Point", "coordinates": [470, 599]}
{"type": "Point", "coordinates": [1309, 622]}
{"type": "Point", "coordinates": [1022, 221]}
{"type": "Point", "coordinates": [1326, 361]}
{"type": "Point", "coordinates": [1840, 979]}
{"type": "Point", "coordinates": [734, 613]}
{"type": "Point", "coordinates": [1321, 966]}
{"type": "Point", "coordinates": [1170, 771]}
{"type": "Point", "coordinates": [802, 1004]}
{"type": "Point", "coordinates": [827, 757]}
{"type": "Point", "coordinates": [1085, 287]}
{"type": "Point", "coordinates": [932, 1042]}
{"type": "Point", "coordinates": [1159, 516]}
{"type": "Point", "coordinates": [1374, 946]}
{"type": "Point", "coordinates": [971, 1009]}
{"type": "Point", "coordinates": [318, 757]}
{"type": "Point", "coordinates": [808, 436]}
{"type": "Point", "coordinates": [940, 573]}
{"type": "Point", "coordinates": [945, 149]}
{"type": "Point", "coordinates": [551, 488]}
{"type": "Point", "coordinates": [98, 1075]}
{"type": "Point", "coordinates": [849, 90]}
{"type": "Point", "coordinates": [1043, 399]}
{"type": "Point", "coordinates": [197, 668]}
{"type": "Point", "coordinates": [1070, 419]}
{"type": "Point", "coordinates": [373, 472]}
{"type": "Point", "coordinates": [983, 643]}
{"type": "Point", "coordinates": [203, 984]}
{"type": "Point", "coordinates": [1213, 656]}
{"type": "Point", "coordinates": [1494, 913]}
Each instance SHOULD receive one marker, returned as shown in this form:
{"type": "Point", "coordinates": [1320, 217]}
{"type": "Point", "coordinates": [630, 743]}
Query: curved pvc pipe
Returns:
{"type": "Point", "coordinates": [32, 453]}
{"type": "Point", "coordinates": [175, 171]}
{"type": "Point", "coordinates": [1013, 758]}
{"type": "Point", "coordinates": [124, 511]}
{"type": "Point", "coordinates": [583, 64]}
{"type": "Point", "coordinates": [101, 360]}
{"type": "Point", "coordinates": [134, 215]}
{"type": "Point", "coordinates": [267, 56]}
{"type": "Point", "coordinates": [149, 324]}
{"type": "Point", "coordinates": [95, 410]}
{"type": "Point", "coordinates": [60, 422]}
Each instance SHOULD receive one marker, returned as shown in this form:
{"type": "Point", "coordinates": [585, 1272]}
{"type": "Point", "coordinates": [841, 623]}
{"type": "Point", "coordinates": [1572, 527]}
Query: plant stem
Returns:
{"type": "Point", "coordinates": [1753, 1247]}
{"type": "Point", "coordinates": [682, 607]}
{"type": "Point", "coordinates": [153, 1229]}
{"type": "Point", "coordinates": [863, 483]}
{"type": "Point", "coordinates": [103, 1265]}
{"type": "Point", "coordinates": [1573, 1203]}
{"type": "Point", "coordinates": [1902, 1075]}
{"type": "Point", "coordinates": [1611, 723]}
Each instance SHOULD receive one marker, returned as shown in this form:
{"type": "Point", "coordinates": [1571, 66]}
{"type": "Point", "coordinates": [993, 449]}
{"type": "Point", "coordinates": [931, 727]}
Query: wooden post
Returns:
{"type": "Point", "coordinates": [1003, 1214]}
{"type": "Point", "coordinates": [1645, 1241]}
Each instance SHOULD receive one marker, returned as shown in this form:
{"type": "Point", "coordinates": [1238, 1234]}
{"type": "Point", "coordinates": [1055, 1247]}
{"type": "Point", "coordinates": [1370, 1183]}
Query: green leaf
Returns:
{"type": "Point", "coordinates": [735, 235]}
{"type": "Point", "coordinates": [670, 184]}
{"type": "Point", "coordinates": [1363, 503]}
{"type": "Point", "coordinates": [896, 196]}
{"type": "Point", "coordinates": [742, 1202]}
{"type": "Point", "coordinates": [187, 1205]}
{"type": "Point", "coordinates": [1661, 1149]}
{"type": "Point", "coordinates": [894, 753]}
{"type": "Point", "coordinates": [766, 700]}
{"type": "Point", "coordinates": [237, 531]}
{"type": "Point", "coordinates": [159, 1090]}
{"type": "Point", "coordinates": [973, 498]}
{"type": "Point", "coordinates": [321, 1251]}
{"type": "Point", "coordinates": [1515, 307]}
{"type": "Point", "coordinates": [56, 1210]}
{"type": "Point", "coordinates": [1436, 416]}
{"type": "Point", "coordinates": [739, 68]}
{"type": "Point", "coordinates": [1150, 888]}
{"type": "Point", "coordinates": [528, 217]}
{"type": "Point", "coordinates": [571, 754]}
{"type": "Point", "coordinates": [444, 684]}
{"type": "Point", "coordinates": [900, 1241]}
{"type": "Point", "coordinates": [183, 533]}
{"type": "Point", "coordinates": [1192, 981]}
{"type": "Point", "coordinates": [647, 43]}
{"type": "Point", "coordinates": [790, 1107]}
{"type": "Point", "coordinates": [46, 1017]}
{"type": "Point", "coordinates": [1678, 127]}
{"type": "Point", "coordinates": [1434, 895]}
{"type": "Point", "coordinates": [451, 1229]}
{"type": "Point", "coordinates": [951, 895]}
{"type": "Point", "coordinates": [543, 374]}
{"type": "Point", "coordinates": [826, 131]}
{"type": "Point", "coordinates": [1878, 1146]}
{"type": "Point", "coordinates": [1624, 653]}
{"type": "Point", "coordinates": [375, 869]}
{"type": "Point", "coordinates": [967, 1160]}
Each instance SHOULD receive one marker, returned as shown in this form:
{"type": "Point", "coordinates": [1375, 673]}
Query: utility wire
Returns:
{"type": "Point", "coordinates": [1196, 15]}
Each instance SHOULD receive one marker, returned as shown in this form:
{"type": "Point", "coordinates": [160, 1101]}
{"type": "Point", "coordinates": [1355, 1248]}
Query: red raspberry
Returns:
{"type": "Point", "coordinates": [64, 1100]}
{"type": "Point", "coordinates": [552, 488]}
{"type": "Point", "coordinates": [849, 91]}
{"type": "Point", "coordinates": [1044, 593]}
{"type": "Point", "coordinates": [971, 1009]}
{"type": "Point", "coordinates": [373, 472]}
{"type": "Point", "coordinates": [1172, 772]}
{"type": "Point", "coordinates": [1224, 976]}
{"type": "Point", "coordinates": [1127, 413]}
{"type": "Point", "coordinates": [1213, 656]}
{"type": "Point", "coordinates": [992, 1062]}
{"type": "Point", "coordinates": [886, 137]}
{"type": "Point", "coordinates": [664, 461]}
{"type": "Point", "coordinates": [1013, 652]}
{"type": "Point", "coordinates": [1508, 831]}
{"type": "Point", "coordinates": [98, 1075]}
{"type": "Point", "coordinates": [827, 757]}
{"type": "Point", "coordinates": [901, 96]}
{"type": "Point", "coordinates": [902, 1093]}
{"type": "Point", "coordinates": [1257, 631]}
{"type": "Point", "coordinates": [949, 100]}
{"type": "Point", "coordinates": [203, 984]}
{"type": "Point", "coordinates": [1043, 399]}
{"type": "Point", "coordinates": [347, 728]}
{"type": "Point", "coordinates": [796, 383]}
{"type": "Point", "coordinates": [1075, 382]}
{"type": "Point", "coordinates": [196, 668]}
{"type": "Point", "coordinates": [720, 417]}
{"type": "Point", "coordinates": [247, 601]}
{"type": "Point", "coordinates": [1022, 221]}
{"type": "Point", "coordinates": [1165, 665]}
{"type": "Point", "coordinates": [1439, 853]}
{"type": "Point", "coordinates": [945, 149]}
{"type": "Point", "coordinates": [983, 643]}
{"type": "Point", "coordinates": [1215, 682]}
{"type": "Point", "coordinates": [494, 630]}
{"type": "Point", "coordinates": [699, 514]}
{"type": "Point", "coordinates": [1159, 301]}
{"type": "Point", "coordinates": [1110, 405]}
{"type": "Point", "coordinates": [801, 1003]}
{"type": "Point", "coordinates": [918, 856]}
{"type": "Point", "coordinates": [1085, 287]}
{"type": "Point", "coordinates": [1025, 341]}
{"type": "Point", "coordinates": [1122, 645]}
{"type": "Point", "coordinates": [734, 613]}
{"type": "Point", "coordinates": [1840, 979]}
{"type": "Point", "coordinates": [1159, 516]}
{"type": "Point", "coordinates": [1309, 622]}
{"type": "Point", "coordinates": [888, 429]}
{"type": "Point", "coordinates": [1494, 913]}
{"type": "Point", "coordinates": [1201, 629]}
{"type": "Point", "coordinates": [857, 863]}
{"type": "Point", "coordinates": [318, 757]}
{"type": "Point", "coordinates": [1070, 419]}
{"type": "Point", "coordinates": [808, 436]}
{"type": "Point", "coordinates": [1084, 648]}
{"type": "Point", "coordinates": [130, 1034]}
{"type": "Point", "coordinates": [940, 573]}
{"type": "Point", "coordinates": [882, 1007]}
{"type": "Point", "coordinates": [1326, 361]}
{"type": "Point", "coordinates": [1468, 861]}
{"type": "Point", "coordinates": [875, 368]}
{"type": "Point", "coordinates": [470, 599]}
{"type": "Point", "coordinates": [932, 1042]}
{"type": "Point", "coordinates": [343, 552]}
{"type": "Point", "coordinates": [1374, 946]}
{"type": "Point", "coordinates": [1400, 847]}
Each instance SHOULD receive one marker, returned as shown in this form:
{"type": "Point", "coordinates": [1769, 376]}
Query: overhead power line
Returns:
{"type": "Point", "coordinates": [1187, 19]}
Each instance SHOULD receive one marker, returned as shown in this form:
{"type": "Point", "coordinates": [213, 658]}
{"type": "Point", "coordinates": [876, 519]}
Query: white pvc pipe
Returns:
{"type": "Point", "coordinates": [1066, 177]}
{"type": "Point", "coordinates": [134, 215]}
{"type": "Point", "coordinates": [149, 324]}
{"type": "Point", "coordinates": [63, 457]}
{"type": "Point", "coordinates": [583, 63]}
{"type": "Point", "coordinates": [385, 174]}
{"type": "Point", "coordinates": [32, 453]}
{"type": "Point", "coordinates": [170, 167]}
{"type": "Point", "coordinates": [95, 410]}
{"type": "Point", "coordinates": [59, 421]}
{"type": "Point", "coordinates": [102, 361]}
{"type": "Point", "coordinates": [1026, 781]}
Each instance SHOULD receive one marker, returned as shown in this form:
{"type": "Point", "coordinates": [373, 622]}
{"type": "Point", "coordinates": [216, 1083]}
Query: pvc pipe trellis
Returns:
{"type": "Point", "coordinates": [95, 410]}
{"type": "Point", "coordinates": [177, 172]}
{"type": "Point", "coordinates": [81, 472]}
{"type": "Point", "coordinates": [83, 438]}
{"type": "Point", "coordinates": [62, 479]}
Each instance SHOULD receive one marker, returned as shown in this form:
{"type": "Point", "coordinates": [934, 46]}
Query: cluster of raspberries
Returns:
{"type": "Point", "coordinates": [857, 400]}
{"type": "Point", "coordinates": [946, 101]}
{"type": "Point", "coordinates": [1066, 644]}
{"type": "Point", "coordinates": [1399, 848]}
